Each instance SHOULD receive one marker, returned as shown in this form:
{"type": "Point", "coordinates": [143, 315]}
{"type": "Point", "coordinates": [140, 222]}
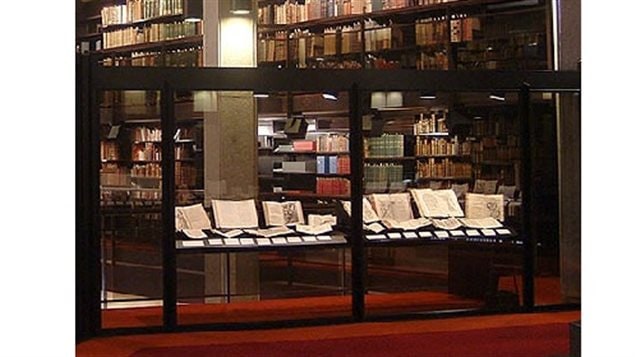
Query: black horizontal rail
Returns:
{"type": "Point", "coordinates": [274, 80]}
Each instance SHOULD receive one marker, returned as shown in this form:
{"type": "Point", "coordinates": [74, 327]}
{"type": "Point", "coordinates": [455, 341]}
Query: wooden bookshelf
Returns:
{"type": "Point", "coordinates": [159, 45]}
{"type": "Point", "coordinates": [410, 54]}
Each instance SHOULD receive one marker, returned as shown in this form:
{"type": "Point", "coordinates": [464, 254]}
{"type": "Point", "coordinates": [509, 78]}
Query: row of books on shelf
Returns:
{"type": "Point", "coordinates": [142, 133]}
{"type": "Point", "coordinates": [496, 125]}
{"type": "Point", "coordinates": [494, 141]}
{"type": "Point", "coordinates": [139, 10]}
{"type": "Point", "coordinates": [436, 168]}
{"type": "Point", "coordinates": [184, 174]}
{"type": "Point", "coordinates": [378, 36]}
{"type": "Point", "coordinates": [332, 186]}
{"type": "Point", "coordinates": [146, 170]}
{"type": "Point", "coordinates": [442, 147]}
{"type": "Point", "coordinates": [146, 151]}
{"type": "Point", "coordinates": [272, 48]}
{"type": "Point", "coordinates": [431, 31]}
{"type": "Point", "coordinates": [150, 33]}
{"type": "Point", "coordinates": [340, 164]}
{"type": "Point", "coordinates": [387, 145]}
{"type": "Point", "coordinates": [435, 60]}
{"type": "Point", "coordinates": [114, 175]}
{"type": "Point", "coordinates": [130, 197]}
{"type": "Point", "coordinates": [109, 150]}
{"type": "Point", "coordinates": [183, 152]}
{"type": "Point", "coordinates": [351, 38]}
{"type": "Point", "coordinates": [500, 153]}
{"type": "Point", "coordinates": [186, 57]}
{"type": "Point", "coordinates": [383, 173]}
{"type": "Point", "coordinates": [431, 123]}
{"type": "Point", "coordinates": [292, 11]}
{"type": "Point", "coordinates": [332, 143]}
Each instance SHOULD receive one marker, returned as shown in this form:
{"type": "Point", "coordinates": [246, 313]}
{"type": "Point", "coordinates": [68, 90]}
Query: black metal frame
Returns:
{"type": "Point", "coordinates": [94, 78]}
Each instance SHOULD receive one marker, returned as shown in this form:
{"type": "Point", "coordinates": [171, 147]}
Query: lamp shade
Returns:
{"type": "Point", "coordinates": [240, 7]}
{"type": "Point", "coordinates": [193, 10]}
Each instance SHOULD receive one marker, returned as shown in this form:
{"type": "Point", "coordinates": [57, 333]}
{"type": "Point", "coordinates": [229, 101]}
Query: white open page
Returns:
{"type": "Point", "coordinates": [437, 203]}
{"type": "Point", "coordinates": [319, 219]}
{"type": "Point", "coordinates": [394, 206]}
{"type": "Point", "coordinates": [482, 206]}
{"type": "Point", "coordinates": [235, 214]}
{"type": "Point", "coordinates": [283, 213]}
{"type": "Point", "coordinates": [314, 230]}
{"type": "Point", "coordinates": [409, 225]}
{"type": "Point", "coordinates": [369, 213]}
{"type": "Point", "coordinates": [448, 223]}
{"type": "Point", "coordinates": [193, 217]}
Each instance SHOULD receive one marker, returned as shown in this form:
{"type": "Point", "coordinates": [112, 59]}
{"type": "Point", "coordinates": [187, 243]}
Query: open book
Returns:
{"type": "Point", "coordinates": [314, 230]}
{"type": "Point", "coordinates": [270, 232]}
{"type": "Point", "coordinates": [487, 222]}
{"type": "Point", "coordinates": [448, 223]}
{"type": "Point", "coordinates": [374, 227]}
{"type": "Point", "coordinates": [369, 213]}
{"type": "Point", "coordinates": [283, 213]}
{"type": "Point", "coordinates": [319, 219]}
{"type": "Point", "coordinates": [481, 206]}
{"type": "Point", "coordinates": [194, 233]}
{"type": "Point", "coordinates": [191, 217]}
{"type": "Point", "coordinates": [409, 225]}
{"type": "Point", "coordinates": [235, 214]}
{"type": "Point", "coordinates": [228, 234]}
{"type": "Point", "coordinates": [395, 206]}
{"type": "Point", "coordinates": [437, 203]}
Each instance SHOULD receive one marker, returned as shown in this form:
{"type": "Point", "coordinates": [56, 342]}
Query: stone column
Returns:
{"type": "Point", "coordinates": [230, 138]}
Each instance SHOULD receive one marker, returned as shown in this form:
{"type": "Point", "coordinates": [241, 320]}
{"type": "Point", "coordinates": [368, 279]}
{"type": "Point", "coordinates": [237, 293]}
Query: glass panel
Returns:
{"type": "Point", "coordinates": [557, 273]}
{"type": "Point", "coordinates": [430, 157]}
{"type": "Point", "coordinates": [130, 185]}
{"type": "Point", "coordinates": [262, 161]}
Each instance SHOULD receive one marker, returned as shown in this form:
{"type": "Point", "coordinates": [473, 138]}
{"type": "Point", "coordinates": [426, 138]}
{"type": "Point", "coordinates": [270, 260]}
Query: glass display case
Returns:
{"type": "Point", "coordinates": [251, 196]}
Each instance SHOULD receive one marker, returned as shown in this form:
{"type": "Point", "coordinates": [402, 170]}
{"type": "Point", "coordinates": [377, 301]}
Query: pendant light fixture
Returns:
{"type": "Point", "coordinates": [240, 7]}
{"type": "Point", "coordinates": [192, 10]}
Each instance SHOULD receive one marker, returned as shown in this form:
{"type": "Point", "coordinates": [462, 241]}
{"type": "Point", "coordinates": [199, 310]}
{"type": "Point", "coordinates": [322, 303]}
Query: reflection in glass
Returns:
{"type": "Point", "coordinates": [130, 189]}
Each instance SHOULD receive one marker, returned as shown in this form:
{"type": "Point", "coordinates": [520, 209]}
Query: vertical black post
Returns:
{"type": "Point", "coordinates": [358, 252]}
{"type": "Point", "coordinates": [87, 254]}
{"type": "Point", "coordinates": [527, 209]}
{"type": "Point", "coordinates": [95, 258]}
{"type": "Point", "coordinates": [168, 129]}
{"type": "Point", "coordinates": [363, 40]}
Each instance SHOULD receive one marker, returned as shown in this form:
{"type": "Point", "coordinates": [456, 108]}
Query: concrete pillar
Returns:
{"type": "Point", "coordinates": [568, 58]}
{"type": "Point", "coordinates": [230, 137]}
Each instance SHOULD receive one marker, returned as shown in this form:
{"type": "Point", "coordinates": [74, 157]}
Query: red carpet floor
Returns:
{"type": "Point", "coordinates": [519, 341]}
{"type": "Point", "coordinates": [286, 309]}
{"type": "Point", "coordinates": [541, 334]}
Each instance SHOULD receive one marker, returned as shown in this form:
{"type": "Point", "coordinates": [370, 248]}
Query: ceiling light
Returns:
{"type": "Point", "coordinates": [329, 95]}
{"type": "Point", "coordinates": [427, 96]}
{"type": "Point", "coordinates": [240, 7]}
{"type": "Point", "coordinates": [499, 96]}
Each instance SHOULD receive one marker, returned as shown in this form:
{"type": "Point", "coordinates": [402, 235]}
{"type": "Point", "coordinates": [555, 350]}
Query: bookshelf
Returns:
{"type": "Point", "coordinates": [416, 34]}
{"type": "Point", "coordinates": [130, 151]}
{"type": "Point", "coordinates": [141, 33]}
{"type": "Point", "coordinates": [313, 165]}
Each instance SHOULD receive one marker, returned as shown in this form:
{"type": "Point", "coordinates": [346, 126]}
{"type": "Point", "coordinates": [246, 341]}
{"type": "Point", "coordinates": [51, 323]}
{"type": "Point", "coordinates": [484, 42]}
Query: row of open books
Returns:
{"type": "Point", "coordinates": [233, 218]}
{"type": "Point", "coordinates": [430, 204]}
{"type": "Point", "coordinates": [437, 207]}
